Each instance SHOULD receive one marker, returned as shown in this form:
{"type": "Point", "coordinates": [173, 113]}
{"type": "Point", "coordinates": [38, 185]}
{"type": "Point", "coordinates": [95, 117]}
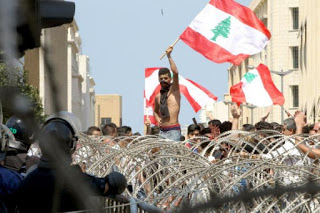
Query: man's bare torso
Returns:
{"type": "Point", "coordinates": [173, 102]}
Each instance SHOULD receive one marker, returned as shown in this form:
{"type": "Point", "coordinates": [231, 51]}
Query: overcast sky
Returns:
{"type": "Point", "coordinates": [122, 38]}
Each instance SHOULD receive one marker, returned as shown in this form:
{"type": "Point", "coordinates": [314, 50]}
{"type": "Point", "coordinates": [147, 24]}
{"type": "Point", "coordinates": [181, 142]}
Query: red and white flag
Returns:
{"type": "Point", "coordinates": [225, 31]}
{"type": "Point", "coordinates": [197, 95]}
{"type": "Point", "coordinates": [257, 88]}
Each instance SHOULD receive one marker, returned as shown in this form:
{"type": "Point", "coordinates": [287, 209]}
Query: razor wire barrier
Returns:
{"type": "Point", "coordinates": [237, 172]}
{"type": "Point", "coordinates": [274, 177]}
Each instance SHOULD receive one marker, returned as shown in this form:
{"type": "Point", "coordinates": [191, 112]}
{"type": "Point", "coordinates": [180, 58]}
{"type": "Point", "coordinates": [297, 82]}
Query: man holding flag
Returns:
{"type": "Point", "coordinates": [167, 102]}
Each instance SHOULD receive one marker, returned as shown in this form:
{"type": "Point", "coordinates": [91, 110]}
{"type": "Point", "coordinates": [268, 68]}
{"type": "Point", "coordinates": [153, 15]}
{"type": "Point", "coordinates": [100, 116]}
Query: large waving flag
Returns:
{"type": "Point", "coordinates": [226, 31]}
{"type": "Point", "coordinates": [257, 88]}
{"type": "Point", "coordinates": [196, 95]}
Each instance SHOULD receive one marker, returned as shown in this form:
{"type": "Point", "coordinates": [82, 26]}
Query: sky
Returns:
{"type": "Point", "coordinates": [122, 38]}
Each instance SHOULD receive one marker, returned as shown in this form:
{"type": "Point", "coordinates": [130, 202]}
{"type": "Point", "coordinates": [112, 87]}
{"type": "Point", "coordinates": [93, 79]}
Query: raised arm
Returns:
{"type": "Point", "coordinates": [266, 115]}
{"type": "Point", "coordinates": [300, 120]}
{"type": "Point", "coordinates": [236, 113]}
{"type": "Point", "coordinates": [147, 123]}
{"type": "Point", "coordinates": [173, 68]}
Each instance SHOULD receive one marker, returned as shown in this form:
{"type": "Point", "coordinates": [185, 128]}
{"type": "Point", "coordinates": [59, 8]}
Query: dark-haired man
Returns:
{"type": "Point", "coordinates": [94, 130]}
{"type": "Point", "coordinates": [110, 129]}
{"type": "Point", "coordinates": [124, 131]}
{"type": "Point", "coordinates": [167, 103]}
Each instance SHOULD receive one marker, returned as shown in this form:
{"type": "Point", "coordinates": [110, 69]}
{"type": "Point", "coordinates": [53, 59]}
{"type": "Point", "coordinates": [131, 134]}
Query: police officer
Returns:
{"type": "Point", "coordinates": [17, 159]}
{"type": "Point", "coordinates": [56, 186]}
{"type": "Point", "coordinates": [9, 180]}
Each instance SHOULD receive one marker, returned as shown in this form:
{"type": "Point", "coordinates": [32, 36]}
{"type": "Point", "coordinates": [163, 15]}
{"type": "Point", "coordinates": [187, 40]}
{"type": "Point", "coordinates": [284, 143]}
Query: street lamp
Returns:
{"type": "Point", "coordinates": [227, 102]}
{"type": "Point", "coordinates": [250, 106]}
{"type": "Point", "coordinates": [281, 74]}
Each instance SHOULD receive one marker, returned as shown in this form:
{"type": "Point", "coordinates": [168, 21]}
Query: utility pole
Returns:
{"type": "Point", "coordinates": [282, 74]}
{"type": "Point", "coordinates": [250, 106]}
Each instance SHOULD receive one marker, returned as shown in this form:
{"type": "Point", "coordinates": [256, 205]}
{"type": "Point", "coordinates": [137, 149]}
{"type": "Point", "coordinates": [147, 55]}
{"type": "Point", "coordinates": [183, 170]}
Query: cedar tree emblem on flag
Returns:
{"type": "Point", "coordinates": [222, 29]}
{"type": "Point", "coordinates": [249, 77]}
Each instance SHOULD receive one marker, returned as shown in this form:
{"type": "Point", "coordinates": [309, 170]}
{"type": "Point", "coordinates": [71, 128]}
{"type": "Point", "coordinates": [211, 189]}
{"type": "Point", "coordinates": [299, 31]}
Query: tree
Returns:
{"type": "Point", "coordinates": [15, 79]}
{"type": "Point", "coordinates": [222, 29]}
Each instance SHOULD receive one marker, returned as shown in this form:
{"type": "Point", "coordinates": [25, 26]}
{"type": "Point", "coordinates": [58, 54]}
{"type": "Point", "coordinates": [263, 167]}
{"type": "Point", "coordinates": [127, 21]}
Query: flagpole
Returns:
{"type": "Point", "coordinates": [172, 45]}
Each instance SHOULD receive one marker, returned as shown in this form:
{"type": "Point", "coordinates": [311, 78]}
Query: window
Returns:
{"type": "Point", "coordinates": [105, 121]}
{"type": "Point", "coordinates": [295, 96]}
{"type": "Point", "coordinates": [295, 18]}
{"type": "Point", "coordinates": [295, 57]}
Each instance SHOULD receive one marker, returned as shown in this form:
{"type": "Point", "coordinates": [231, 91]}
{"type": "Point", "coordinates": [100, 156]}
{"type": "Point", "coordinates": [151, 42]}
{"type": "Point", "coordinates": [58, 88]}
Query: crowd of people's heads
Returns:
{"type": "Point", "coordinates": [63, 128]}
{"type": "Point", "coordinates": [111, 130]}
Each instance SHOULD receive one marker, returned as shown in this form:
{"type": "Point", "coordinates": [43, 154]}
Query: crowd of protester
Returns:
{"type": "Point", "coordinates": [293, 125]}
{"type": "Point", "coordinates": [35, 166]}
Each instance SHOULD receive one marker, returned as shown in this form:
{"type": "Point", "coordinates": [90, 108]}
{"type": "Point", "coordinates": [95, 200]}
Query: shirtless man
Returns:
{"type": "Point", "coordinates": [167, 102]}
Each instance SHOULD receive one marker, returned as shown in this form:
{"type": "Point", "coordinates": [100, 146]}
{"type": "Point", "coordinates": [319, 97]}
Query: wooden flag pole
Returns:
{"type": "Point", "coordinates": [172, 45]}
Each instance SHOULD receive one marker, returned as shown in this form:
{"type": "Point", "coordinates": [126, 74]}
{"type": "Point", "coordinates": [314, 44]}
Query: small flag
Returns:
{"type": "Point", "coordinates": [225, 31]}
{"type": "Point", "coordinates": [197, 95]}
{"type": "Point", "coordinates": [257, 88]}
{"type": "Point", "coordinates": [148, 113]}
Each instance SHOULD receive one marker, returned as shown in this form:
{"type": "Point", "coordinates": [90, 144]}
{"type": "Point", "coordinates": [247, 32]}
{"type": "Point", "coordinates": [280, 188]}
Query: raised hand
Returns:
{"type": "Point", "coordinates": [169, 51]}
{"type": "Point", "coordinates": [235, 111]}
{"type": "Point", "coordinates": [300, 119]}
{"type": "Point", "coordinates": [266, 115]}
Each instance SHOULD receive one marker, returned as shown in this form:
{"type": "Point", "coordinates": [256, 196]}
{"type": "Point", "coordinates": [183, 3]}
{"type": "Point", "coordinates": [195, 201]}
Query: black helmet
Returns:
{"type": "Point", "coordinates": [19, 130]}
{"type": "Point", "coordinates": [117, 183]}
{"type": "Point", "coordinates": [23, 135]}
{"type": "Point", "coordinates": [59, 134]}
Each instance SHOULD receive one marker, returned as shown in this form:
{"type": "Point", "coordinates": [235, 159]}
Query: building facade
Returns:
{"type": "Point", "coordinates": [214, 110]}
{"type": "Point", "coordinates": [309, 33]}
{"type": "Point", "coordinates": [108, 110]}
{"type": "Point", "coordinates": [281, 54]}
{"type": "Point", "coordinates": [88, 93]}
{"type": "Point", "coordinates": [60, 58]}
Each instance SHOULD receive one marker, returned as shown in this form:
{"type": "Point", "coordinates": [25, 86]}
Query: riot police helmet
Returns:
{"type": "Point", "coordinates": [117, 183]}
{"type": "Point", "coordinates": [23, 135]}
{"type": "Point", "coordinates": [59, 133]}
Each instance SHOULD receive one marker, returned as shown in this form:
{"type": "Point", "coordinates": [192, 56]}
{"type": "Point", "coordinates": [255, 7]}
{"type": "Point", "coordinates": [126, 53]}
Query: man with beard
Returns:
{"type": "Point", "coordinates": [167, 102]}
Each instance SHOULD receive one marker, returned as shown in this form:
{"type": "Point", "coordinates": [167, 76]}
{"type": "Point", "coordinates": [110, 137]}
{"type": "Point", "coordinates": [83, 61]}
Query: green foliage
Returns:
{"type": "Point", "coordinates": [16, 78]}
{"type": "Point", "coordinates": [222, 29]}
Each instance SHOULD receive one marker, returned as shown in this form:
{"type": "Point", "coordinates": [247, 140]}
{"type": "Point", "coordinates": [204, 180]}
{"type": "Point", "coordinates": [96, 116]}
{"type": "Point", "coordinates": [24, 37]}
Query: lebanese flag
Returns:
{"type": "Point", "coordinates": [196, 95]}
{"type": "Point", "coordinates": [148, 112]}
{"type": "Point", "coordinates": [257, 88]}
{"type": "Point", "coordinates": [225, 31]}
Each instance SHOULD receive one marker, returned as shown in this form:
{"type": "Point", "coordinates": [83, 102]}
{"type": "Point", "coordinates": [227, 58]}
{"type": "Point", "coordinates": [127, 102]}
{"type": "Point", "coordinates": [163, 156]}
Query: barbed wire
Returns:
{"type": "Point", "coordinates": [168, 174]}
{"type": "Point", "coordinates": [236, 172]}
